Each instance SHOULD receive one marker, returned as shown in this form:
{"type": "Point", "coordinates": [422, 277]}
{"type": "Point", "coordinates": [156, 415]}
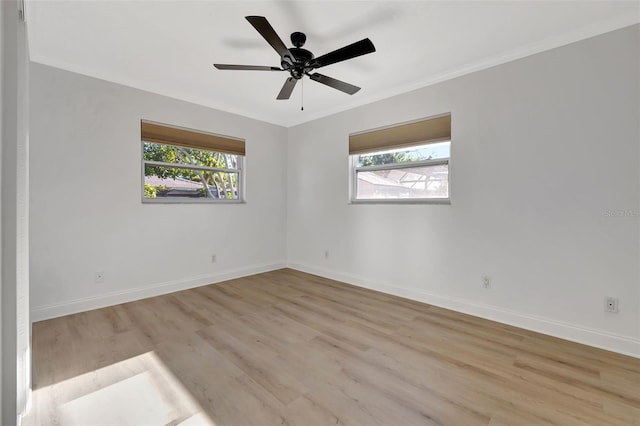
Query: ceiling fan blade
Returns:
{"type": "Point", "coordinates": [246, 67]}
{"type": "Point", "coordinates": [354, 50]}
{"type": "Point", "coordinates": [265, 29]}
{"type": "Point", "coordinates": [336, 84]}
{"type": "Point", "coordinates": [287, 88]}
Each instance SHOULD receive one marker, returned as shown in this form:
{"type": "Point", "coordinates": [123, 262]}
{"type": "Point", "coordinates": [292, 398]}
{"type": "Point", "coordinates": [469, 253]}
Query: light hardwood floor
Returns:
{"type": "Point", "coordinates": [286, 347]}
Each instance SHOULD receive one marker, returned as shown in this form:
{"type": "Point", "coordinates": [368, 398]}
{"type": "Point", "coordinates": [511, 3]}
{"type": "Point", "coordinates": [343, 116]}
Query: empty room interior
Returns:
{"type": "Point", "coordinates": [320, 213]}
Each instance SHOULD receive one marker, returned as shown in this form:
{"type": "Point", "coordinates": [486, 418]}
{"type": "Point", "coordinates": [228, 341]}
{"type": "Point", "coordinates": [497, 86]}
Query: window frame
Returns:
{"type": "Point", "coordinates": [187, 200]}
{"type": "Point", "coordinates": [354, 169]}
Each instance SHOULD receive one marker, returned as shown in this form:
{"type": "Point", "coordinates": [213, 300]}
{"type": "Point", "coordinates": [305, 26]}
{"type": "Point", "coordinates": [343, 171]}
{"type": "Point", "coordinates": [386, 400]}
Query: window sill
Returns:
{"type": "Point", "coordinates": [444, 201]}
{"type": "Point", "coordinates": [194, 201]}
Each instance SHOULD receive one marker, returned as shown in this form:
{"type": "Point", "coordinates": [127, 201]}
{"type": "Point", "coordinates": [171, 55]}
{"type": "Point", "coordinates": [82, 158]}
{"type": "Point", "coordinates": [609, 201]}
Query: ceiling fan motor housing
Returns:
{"type": "Point", "coordinates": [301, 63]}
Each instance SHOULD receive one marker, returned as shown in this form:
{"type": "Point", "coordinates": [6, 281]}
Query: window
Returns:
{"type": "Point", "coordinates": [404, 163]}
{"type": "Point", "coordinates": [180, 165]}
{"type": "Point", "coordinates": [416, 173]}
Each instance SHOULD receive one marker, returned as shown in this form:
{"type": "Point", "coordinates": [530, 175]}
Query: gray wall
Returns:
{"type": "Point", "coordinates": [86, 210]}
{"type": "Point", "coordinates": [543, 148]}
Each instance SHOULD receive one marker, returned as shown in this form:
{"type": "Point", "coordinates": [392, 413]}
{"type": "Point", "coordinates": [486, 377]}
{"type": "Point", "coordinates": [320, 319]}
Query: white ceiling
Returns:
{"type": "Point", "coordinates": [168, 47]}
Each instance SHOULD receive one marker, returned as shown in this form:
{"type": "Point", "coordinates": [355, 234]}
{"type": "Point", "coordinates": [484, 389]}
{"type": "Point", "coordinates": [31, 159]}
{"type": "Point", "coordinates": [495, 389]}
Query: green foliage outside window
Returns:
{"type": "Point", "coordinates": [222, 184]}
{"type": "Point", "coordinates": [388, 158]}
{"type": "Point", "coordinates": [149, 191]}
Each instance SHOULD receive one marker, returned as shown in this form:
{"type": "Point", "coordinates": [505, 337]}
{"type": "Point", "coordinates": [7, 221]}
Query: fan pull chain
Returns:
{"type": "Point", "coordinates": [302, 93]}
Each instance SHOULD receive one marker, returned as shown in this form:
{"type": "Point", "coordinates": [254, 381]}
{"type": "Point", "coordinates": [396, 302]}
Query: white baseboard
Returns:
{"type": "Point", "coordinates": [621, 344]}
{"type": "Point", "coordinates": [40, 313]}
{"type": "Point", "coordinates": [608, 341]}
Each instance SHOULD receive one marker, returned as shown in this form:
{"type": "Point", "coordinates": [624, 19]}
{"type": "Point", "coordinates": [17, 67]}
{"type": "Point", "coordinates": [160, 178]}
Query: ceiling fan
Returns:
{"type": "Point", "coordinates": [300, 62]}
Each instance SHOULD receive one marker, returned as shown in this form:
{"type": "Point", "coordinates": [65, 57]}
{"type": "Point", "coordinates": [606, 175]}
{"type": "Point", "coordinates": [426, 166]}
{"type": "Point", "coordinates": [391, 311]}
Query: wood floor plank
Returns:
{"type": "Point", "coordinates": [285, 347]}
{"type": "Point", "coordinates": [257, 361]}
{"type": "Point", "coordinates": [305, 411]}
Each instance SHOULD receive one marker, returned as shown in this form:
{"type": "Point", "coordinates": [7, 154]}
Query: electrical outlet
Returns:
{"type": "Point", "coordinates": [213, 258]}
{"type": "Point", "coordinates": [326, 254]}
{"type": "Point", "coordinates": [611, 304]}
{"type": "Point", "coordinates": [98, 277]}
{"type": "Point", "coordinates": [486, 282]}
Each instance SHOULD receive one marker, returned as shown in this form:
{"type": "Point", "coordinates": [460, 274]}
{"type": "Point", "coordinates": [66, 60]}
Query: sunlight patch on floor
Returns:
{"type": "Point", "coordinates": [133, 401]}
{"type": "Point", "coordinates": [199, 419]}
{"type": "Point", "coordinates": [140, 391]}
